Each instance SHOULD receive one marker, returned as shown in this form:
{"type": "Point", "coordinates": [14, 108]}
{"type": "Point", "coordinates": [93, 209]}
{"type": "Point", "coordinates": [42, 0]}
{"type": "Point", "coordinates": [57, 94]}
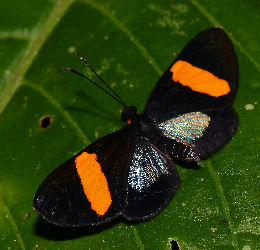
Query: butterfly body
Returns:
{"type": "Point", "coordinates": [130, 173]}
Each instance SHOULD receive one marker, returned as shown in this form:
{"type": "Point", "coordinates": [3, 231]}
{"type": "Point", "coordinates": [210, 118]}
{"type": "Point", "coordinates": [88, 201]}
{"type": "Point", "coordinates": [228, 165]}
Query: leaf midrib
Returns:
{"type": "Point", "coordinates": [36, 43]}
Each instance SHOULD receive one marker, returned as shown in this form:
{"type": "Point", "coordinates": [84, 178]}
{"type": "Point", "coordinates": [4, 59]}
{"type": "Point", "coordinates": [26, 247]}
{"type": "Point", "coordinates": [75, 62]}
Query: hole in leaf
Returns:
{"type": "Point", "coordinates": [45, 122]}
{"type": "Point", "coordinates": [174, 245]}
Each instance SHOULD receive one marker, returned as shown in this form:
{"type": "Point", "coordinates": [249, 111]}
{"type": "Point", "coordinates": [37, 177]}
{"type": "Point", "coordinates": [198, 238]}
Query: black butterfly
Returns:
{"type": "Point", "coordinates": [130, 173]}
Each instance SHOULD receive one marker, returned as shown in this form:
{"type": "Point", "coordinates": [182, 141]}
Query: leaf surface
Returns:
{"type": "Point", "coordinates": [130, 45]}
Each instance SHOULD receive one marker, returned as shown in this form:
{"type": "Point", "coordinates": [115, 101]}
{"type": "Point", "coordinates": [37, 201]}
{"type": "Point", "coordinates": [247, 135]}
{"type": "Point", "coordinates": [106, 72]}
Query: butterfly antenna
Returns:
{"type": "Point", "coordinates": [100, 78]}
{"type": "Point", "coordinates": [100, 87]}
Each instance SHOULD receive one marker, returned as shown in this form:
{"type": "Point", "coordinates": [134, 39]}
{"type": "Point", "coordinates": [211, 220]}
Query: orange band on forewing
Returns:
{"type": "Point", "coordinates": [94, 182]}
{"type": "Point", "coordinates": [198, 79]}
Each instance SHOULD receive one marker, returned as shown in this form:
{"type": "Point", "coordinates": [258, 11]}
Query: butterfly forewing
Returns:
{"type": "Point", "coordinates": [90, 188]}
{"type": "Point", "coordinates": [206, 65]}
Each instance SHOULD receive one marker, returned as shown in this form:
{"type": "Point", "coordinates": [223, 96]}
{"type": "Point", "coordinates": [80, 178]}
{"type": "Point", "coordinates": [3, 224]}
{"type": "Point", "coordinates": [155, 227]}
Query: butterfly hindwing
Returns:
{"type": "Point", "coordinates": [222, 126]}
{"type": "Point", "coordinates": [90, 188]}
{"type": "Point", "coordinates": [199, 134]}
{"type": "Point", "coordinates": [152, 181]}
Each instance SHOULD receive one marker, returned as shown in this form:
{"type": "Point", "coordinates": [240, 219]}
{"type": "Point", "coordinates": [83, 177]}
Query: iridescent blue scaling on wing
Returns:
{"type": "Point", "coordinates": [186, 128]}
{"type": "Point", "coordinates": [146, 166]}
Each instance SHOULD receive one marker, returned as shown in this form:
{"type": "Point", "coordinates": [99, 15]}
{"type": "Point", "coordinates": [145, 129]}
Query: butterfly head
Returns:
{"type": "Point", "coordinates": [128, 114]}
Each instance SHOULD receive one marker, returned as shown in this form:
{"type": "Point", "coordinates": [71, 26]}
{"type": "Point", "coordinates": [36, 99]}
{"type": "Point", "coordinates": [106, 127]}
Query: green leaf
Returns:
{"type": "Point", "coordinates": [130, 44]}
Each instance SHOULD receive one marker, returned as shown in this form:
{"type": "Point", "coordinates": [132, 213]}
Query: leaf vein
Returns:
{"type": "Point", "coordinates": [14, 224]}
{"type": "Point", "coordinates": [128, 33]}
{"type": "Point", "coordinates": [21, 34]}
{"type": "Point", "coordinates": [137, 237]}
{"type": "Point", "coordinates": [224, 202]}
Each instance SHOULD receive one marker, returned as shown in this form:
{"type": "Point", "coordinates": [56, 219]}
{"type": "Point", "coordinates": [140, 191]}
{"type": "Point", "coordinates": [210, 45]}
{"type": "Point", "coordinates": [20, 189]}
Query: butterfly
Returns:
{"type": "Point", "coordinates": [130, 173]}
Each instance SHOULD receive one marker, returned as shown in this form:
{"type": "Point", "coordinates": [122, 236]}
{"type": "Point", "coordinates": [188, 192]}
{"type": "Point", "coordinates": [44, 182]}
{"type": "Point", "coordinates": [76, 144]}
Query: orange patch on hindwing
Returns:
{"type": "Point", "coordinates": [94, 182]}
{"type": "Point", "coordinates": [198, 79]}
